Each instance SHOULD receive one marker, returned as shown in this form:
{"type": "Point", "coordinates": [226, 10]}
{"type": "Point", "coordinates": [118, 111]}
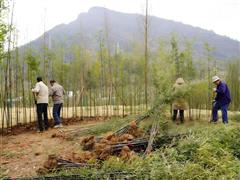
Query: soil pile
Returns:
{"type": "Point", "coordinates": [83, 157]}
{"type": "Point", "coordinates": [134, 130]}
{"type": "Point", "coordinates": [58, 135]}
{"type": "Point", "coordinates": [51, 163]}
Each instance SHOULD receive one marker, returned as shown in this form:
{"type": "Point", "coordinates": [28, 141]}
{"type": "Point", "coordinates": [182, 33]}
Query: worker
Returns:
{"type": "Point", "coordinates": [57, 93]}
{"type": "Point", "coordinates": [40, 92]}
{"type": "Point", "coordinates": [179, 99]}
{"type": "Point", "coordinates": [221, 101]}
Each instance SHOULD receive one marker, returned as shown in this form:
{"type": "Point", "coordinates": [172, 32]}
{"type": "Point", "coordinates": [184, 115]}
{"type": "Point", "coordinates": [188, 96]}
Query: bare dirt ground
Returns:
{"type": "Point", "coordinates": [22, 154]}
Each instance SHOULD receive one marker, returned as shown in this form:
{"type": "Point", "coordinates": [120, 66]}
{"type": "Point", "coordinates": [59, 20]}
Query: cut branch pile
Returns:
{"type": "Point", "coordinates": [95, 149]}
{"type": "Point", "coordinates": [124, 143]}
{"type": "Point", "coordinates": [112, 144]}
{"type": "Point", "coordinates": [54, 162]}
{"type": "Point", "coordinates": [125, 128]}
{"type": "Point", "coordinates": [124, 150]}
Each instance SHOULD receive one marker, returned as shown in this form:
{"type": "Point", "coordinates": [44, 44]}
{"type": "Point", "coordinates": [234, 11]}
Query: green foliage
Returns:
{"type": "Point", "coordinates": [187, 150]}
{"type": "Point", "coordinates": [205, 153]}
{"type": "Point", "coordinates": [198, 94]}
{"type": "Point", "coordinates": [175, 56]}
{"type": "Point", "coordinates": [114, 164]}
{"type": "Point", "coordinates": [233, 82]}
{"type": "Point", "coordinates": [162, 80]}
{"type": "Point", "coordinates": [188, 69]}
{"type": "Point", "coordinates": [182, 92]}
{"type": "Point", "coordinates": [182, 60]}
{"type": "Point", "coordinates": [235, 116]}
{"type": "Point", "coordinates": [3, 27]}
{"type": "Point", "coordinates": [84, 173]}
{"type": "Point", "coordinates": [32, 62]}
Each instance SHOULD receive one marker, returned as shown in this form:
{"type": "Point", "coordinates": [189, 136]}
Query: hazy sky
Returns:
{"type": "Point", "coordinates": [221, 16]}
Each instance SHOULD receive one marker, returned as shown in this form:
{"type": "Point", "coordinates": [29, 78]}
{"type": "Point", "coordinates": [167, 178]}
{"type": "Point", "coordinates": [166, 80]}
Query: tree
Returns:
{"type": "Point", "coordinates": [233, 81]}
{"type": "Point", "coordinates": [6, 37]}
{"type": "Point", "coordinates": [187, 68]}
{"type": "Point", "coordinates": [208, 54]}
{"type": "Point", "coordinates": [3, 27]}
{"type": "Point", "coordinates": [3, 67]}
{"type": "Point", "coordinates": [146, 29]}
{"type": "Point", "coordinates": [175, 56]}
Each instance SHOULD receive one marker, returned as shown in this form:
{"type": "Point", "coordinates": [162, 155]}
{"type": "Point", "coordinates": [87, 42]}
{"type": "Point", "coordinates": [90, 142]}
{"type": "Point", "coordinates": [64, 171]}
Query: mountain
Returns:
{"type": "Point", "coordinates": [126, 29]}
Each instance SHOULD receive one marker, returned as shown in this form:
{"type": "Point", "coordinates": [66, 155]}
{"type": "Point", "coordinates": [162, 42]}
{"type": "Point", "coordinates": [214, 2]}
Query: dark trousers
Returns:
{"type": "Point", "coordinates": [224, 108]}
{"type": "Point", "coordinates": [57, 113]}
{"type": "Point", "coordinates": [42, 113]}
{"type": "Point", "coordinates": [181, 112]}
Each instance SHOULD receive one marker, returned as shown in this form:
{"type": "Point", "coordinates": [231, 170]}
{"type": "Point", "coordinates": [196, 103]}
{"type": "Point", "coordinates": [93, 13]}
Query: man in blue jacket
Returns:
{"type": "Point", "coordinates": [222, 100]}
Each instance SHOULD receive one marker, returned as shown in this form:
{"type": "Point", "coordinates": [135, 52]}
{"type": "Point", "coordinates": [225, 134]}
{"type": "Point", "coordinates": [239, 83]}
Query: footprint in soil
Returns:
{"type": "Point", "coordinates": [37, 153]}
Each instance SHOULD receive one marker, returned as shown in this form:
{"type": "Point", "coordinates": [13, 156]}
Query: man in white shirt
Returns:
{"type": "Point", "coordinates": [41, 93]}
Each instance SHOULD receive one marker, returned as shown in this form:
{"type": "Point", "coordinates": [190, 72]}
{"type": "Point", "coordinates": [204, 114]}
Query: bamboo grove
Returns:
{"type": "Point", "coordinates": [107, 81]}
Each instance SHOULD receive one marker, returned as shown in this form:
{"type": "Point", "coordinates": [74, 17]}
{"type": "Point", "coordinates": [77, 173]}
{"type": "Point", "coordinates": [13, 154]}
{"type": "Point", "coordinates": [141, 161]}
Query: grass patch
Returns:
{"type": "Point", "coordinates": [235, 116]}
{"type": "Point", "coordinates": [3, 172]}
{"type": "Point", "coordinates": [112, 124]}
{"type": "Point", "coordinates": [9, 154]}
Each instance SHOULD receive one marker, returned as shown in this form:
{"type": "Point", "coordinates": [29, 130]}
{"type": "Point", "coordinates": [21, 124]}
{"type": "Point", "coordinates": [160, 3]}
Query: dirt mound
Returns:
{"type": "Point", "coordinates": [125, 138]}
{"type": "Point", "coordinates": [126, 153]}
{"type": "Point", "coordinates": [88, 143]}
{"type": "Point", "coordinates": [105, 153]}
{"type": "Point", "coordinates": [83, 157]}
{"type": "Point", "coordinates": [134, 130]}
{"type": "Point", "coordinates": [50, 164]}
{"type": "Point", "coordinates": [110, 136]}
{"type": "Point", "coordinates": [58, 135]}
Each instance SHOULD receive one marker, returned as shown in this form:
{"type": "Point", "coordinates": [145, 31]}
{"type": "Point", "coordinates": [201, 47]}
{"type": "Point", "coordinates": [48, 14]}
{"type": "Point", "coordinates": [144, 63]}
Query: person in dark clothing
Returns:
{"type": "Point", "coordinates": [41, 93]}
{"type": "Point", "coordinates": [222, 100]}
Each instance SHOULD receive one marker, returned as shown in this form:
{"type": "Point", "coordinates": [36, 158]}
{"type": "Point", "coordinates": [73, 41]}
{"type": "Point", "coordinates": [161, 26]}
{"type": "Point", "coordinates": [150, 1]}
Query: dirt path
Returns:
{"type": "Point", "coordinates": [23, 154]}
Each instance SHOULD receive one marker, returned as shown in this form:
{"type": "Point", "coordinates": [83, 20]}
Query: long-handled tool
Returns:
{"type": "Point", "coordinates": [34, 97]}
{"type": "Point", "coordinates": [213, 104]}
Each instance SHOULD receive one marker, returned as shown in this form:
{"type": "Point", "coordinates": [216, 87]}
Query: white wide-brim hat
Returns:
{"type": "Point", "coordinates": [215, 78]}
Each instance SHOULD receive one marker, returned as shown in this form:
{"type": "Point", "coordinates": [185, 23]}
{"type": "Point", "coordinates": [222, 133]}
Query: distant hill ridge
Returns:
{"type": "Point", "coordinates": [124, 29]}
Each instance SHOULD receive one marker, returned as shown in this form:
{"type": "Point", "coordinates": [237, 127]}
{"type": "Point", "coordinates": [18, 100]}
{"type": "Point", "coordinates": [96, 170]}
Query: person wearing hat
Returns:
{"type": "Point", "coordinates": [222, 100]}
{"type": "Point", "coordinates": [41, 93]}
{"type": "Point", "coordinates": [57, 92]}
{"type": "Point", "coordinates": [179, 102]}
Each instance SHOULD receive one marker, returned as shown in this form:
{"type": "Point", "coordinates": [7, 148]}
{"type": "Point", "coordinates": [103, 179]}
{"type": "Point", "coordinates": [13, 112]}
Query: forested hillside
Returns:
{"type": "Point", "coordinates": [126, 30]}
